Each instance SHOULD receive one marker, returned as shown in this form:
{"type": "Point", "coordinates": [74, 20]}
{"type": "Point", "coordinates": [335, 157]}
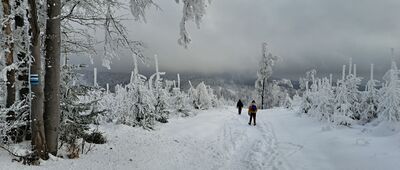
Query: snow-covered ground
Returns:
{"type": "Point", "coordinates": [221, 139]}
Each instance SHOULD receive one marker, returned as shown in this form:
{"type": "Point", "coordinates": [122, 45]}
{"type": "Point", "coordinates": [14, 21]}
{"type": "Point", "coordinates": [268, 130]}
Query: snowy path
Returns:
{"type": "Point", "coordinates": [221, 139]}
{"type": "Point", "coordinates": [230, 141]}
{"type": "Point", "coordinates": [254, 147]}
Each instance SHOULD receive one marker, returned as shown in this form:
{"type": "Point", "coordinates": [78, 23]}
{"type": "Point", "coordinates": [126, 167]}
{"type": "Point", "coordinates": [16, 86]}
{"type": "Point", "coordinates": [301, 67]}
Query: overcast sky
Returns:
{"type": "Point", "coordinates": [307, 34]}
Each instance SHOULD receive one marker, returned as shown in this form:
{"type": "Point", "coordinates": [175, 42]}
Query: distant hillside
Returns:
{"type": "Point", "coordinates": [222, 79]}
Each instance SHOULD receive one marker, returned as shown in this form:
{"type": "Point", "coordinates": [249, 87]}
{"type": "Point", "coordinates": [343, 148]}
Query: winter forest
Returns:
{"type": "Point", "coordinates": [176, 104]}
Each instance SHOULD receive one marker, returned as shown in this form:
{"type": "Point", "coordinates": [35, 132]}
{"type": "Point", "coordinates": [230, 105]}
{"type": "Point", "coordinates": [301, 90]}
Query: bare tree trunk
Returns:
{"type": "Point", "coordinates": [9, 58]}
{"type": "Point", "coordinates": [262, 94]}
{"type": "Point", "coordinates": [37, 125]}
{"type": "Point", "coordinates": [52, 76]}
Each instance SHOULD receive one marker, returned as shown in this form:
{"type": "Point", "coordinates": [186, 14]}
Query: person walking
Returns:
{"type": "Point", "coordinates": [252, 112]}
{"type": "Point", "coordinates": [239, 105]}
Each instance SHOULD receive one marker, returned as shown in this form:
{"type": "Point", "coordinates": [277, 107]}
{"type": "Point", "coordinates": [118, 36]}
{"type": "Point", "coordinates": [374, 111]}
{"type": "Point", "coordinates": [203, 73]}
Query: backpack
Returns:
{"type": "Point", "coordinates": [253, 108]}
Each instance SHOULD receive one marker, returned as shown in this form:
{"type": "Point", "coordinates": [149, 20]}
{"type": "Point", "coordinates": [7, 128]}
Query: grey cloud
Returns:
{"type": "Point", "coordinates": [307, 34]}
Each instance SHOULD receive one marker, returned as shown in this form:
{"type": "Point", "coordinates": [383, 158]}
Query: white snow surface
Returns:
{"type": "Point", "coordinates": [222, 139]}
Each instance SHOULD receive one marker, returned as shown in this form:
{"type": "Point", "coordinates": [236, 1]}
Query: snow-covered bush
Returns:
{"type": "Point", "coordinates": [10, 131]}
{"type": "Point", "coordinates": [180, 103]}
{"type": "Point", "coordinates": [296, 102]}
{"type": "Point", "coordinates": [204, 97]}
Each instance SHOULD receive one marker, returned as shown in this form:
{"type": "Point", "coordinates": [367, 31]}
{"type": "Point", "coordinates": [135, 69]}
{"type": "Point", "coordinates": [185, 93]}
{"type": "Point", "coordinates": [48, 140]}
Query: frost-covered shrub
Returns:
{"type": "Point", "coordinates": [204, 99]}
{"type": "Point", "coordinates": [180, 102]}
{"type": "Point", "coordinates": [95, 137]}
{"type": "Point", "coordinates": [296, 102]}
{"type": "Point", "coordinates": [8, 131]}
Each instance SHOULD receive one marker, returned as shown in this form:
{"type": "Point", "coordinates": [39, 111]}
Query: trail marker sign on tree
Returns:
{"type": "Point", "coordinates": [34, 78]}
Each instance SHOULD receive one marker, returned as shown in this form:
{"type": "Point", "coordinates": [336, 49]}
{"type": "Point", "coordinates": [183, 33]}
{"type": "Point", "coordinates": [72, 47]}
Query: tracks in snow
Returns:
{"type": "Point", "coordinates": [254, 147]}
{"type": "Point", "coordinates": [218, 139]}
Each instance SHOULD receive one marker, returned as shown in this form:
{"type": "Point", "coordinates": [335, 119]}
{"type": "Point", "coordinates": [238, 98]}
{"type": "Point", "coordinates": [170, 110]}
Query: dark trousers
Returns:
{"type": "Point", "coordinates": [253, 116]}
{"type": "Point", "coordinates": [240, 110]}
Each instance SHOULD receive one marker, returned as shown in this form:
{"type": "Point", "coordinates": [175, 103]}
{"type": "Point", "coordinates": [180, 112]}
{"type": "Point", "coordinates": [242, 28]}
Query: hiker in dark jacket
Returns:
{"type": "Point", "coordinates": [252, 112]}
{"type": "Point", "coordinates": [239, 105]}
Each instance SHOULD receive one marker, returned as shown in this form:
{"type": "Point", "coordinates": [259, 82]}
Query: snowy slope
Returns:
{"type": "Point", "coordinates": [221, 139]}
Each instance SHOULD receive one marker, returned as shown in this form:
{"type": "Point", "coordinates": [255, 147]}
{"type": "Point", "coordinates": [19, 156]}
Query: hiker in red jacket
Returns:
{"type": "Point", "coordinates": [252, 112]}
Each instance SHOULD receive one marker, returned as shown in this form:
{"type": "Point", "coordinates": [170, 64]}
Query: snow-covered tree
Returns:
{"type": "Point", "coordinates": [133, 104]}
{"type": "Point", "coordinates": [192, 10]}
{"type": "Point", "coordinates": [347, 100]}
{"type": "Point", "coordinates": [288, 102]}
{"type": "Point", "coordinates": [161, 96]}
{"type": "Point", "coordinates": [278, 92]}
{"type": "Point", "coordinates": [14, 49]}
{"type": "Point", "coordinates": [354, 95]}
{"type": "Point", "coordinates": [76, 114]}
{"type": "Point", "coordinates": [2, 91]}
{"type": "Point", "coordinates": [389, 105]}
{"type": "Point", "coordinates": [264, 72]}
{"type": "Point", "coordinates": [324, 100]}
{"type": "Point", "coordinates": [306, 102]}
{"type": "Point", "coordinates": [370, 99]}
{"type": "Point", "coordinates": [204, 98]}
{"type": "Point", "coordinates": [8, 52]}
{"type": "Point", "coordinates": [313, 96]}
{"type": "Point", "coordinates": [180, 102]}
{"type": "Point", "coordinates": [192, 95]}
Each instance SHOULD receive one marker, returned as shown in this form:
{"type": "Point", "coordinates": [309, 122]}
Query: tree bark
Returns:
{"type": "Point", "coordinates": [262, 94]}
{"type": "Point", "coordinates": [9, 57]}
{"type": "Point", "coordinates": [37, 125]}
{"type": "Point", "coordinates": [52, 76]}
